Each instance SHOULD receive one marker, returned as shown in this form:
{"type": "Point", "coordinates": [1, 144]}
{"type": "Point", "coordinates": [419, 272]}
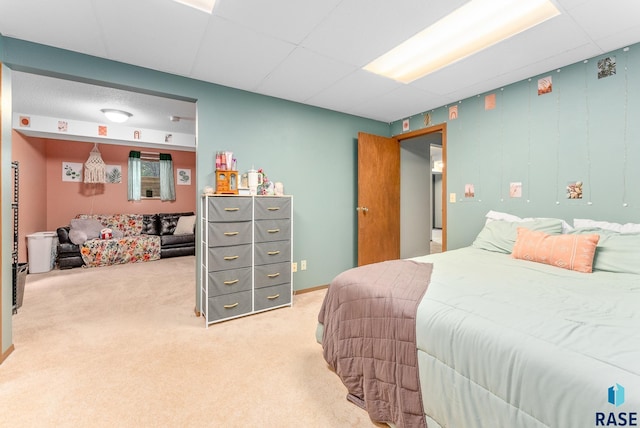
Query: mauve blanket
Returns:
{"type": "Point", "coordinates": [369, 339]}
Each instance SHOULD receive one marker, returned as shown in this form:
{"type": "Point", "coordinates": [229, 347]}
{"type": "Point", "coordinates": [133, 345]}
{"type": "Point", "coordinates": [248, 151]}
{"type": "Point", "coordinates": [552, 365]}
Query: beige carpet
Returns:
{"type": "Point", "coordinates": [120, 346]}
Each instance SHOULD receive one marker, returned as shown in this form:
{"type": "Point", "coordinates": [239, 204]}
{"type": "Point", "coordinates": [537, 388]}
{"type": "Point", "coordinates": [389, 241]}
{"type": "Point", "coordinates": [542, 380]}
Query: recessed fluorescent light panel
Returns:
{"type": "Point", "coordinates": [471, 28]}
{"type": "Point", "coordinates": [203, 5]}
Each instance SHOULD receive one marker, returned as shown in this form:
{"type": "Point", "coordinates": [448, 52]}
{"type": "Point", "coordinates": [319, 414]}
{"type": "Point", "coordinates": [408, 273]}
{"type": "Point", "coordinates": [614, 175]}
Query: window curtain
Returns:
{"type": "Point", "coordinates": [167, 184]}
{"type": "Point", "coordinates": [134, 176]}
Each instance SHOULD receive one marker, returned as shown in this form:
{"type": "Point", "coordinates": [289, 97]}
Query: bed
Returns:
{"type": "Point", "coordinates": [502, 341]}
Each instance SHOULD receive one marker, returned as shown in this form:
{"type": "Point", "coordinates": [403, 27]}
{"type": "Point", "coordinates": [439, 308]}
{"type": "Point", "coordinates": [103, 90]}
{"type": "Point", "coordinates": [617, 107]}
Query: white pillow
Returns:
{"type": "Point", "coordinates": [616, 227]}
{"type": "Point", "coordinates": [185, 225]}
{"type": "Point", "coordinates": [496, 215]}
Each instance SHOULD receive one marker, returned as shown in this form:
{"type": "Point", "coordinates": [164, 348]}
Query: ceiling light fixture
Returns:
{"type": "Point", "coordinates": [469, 29]}
{"type": "Point", "coordinates": [203, 5]}
{"type": "Point", "coordinates": [117, 116]}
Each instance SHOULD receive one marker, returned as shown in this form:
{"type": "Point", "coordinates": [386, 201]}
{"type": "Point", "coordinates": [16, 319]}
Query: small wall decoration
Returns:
{"type": "Point", "coordinates": [405, 125]}
{"type": "Point", "coordinates": [113, 174]}
{"type": "Point", "coordinates": [183, 176]}
{"type": "Point", "coordinates": [427, 119]}
{"type": "Point", "coordinates": [545, 85]}
{"type": "Point", "coordinates": [63, 126]}
{"type": "Point", "coordinates": [102, 130]}
{"type": "Point", "coordinates": [574, 190]}
{"type": "Point", "coordinates": [168, 138]}
{"type": "Point", "coordinates": [606, 67]}
{"type": "Point", "coordinates": [453, 112]}
{"type": "Point", "coordinates": [490, 102]}
{"type": "Point", "coordinates": [25, 121]}
{"type": "Point", "coordinates": [469, 191]}
{"type": "Point", "coordinates": [136, 135]}
{"type": "Point", "coordinates": [515, 190]}
{"type": "Point", "coordinates": [71, 171]}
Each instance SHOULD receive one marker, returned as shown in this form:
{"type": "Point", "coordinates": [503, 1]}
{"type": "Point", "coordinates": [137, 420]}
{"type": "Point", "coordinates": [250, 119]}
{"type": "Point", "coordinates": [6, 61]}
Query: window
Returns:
{"type": "Point", "coordinates": [150, 175]}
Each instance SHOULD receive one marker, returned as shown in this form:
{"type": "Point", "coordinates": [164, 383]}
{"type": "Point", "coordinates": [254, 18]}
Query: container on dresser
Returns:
{"type": "Point", "coordinates": [246, 255]}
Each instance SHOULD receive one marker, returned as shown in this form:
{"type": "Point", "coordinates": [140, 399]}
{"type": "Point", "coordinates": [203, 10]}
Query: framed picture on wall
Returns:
{"type": "Point", "coordinates": [114, 174]}
{"type": "Point", "coordinates": [71, 171]}
{"type": "Point", "coordinates": [183, 176]}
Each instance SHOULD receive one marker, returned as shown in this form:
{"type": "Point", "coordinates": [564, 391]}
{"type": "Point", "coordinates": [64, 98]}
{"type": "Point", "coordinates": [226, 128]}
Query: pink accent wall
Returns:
{"type": "Point", "coordinates": [46, 202]}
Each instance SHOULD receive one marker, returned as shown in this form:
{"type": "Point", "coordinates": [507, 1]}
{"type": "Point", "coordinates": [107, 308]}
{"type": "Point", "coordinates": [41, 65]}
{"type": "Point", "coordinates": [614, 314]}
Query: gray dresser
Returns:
{"type": "Point", "coordinates": [246, 255]}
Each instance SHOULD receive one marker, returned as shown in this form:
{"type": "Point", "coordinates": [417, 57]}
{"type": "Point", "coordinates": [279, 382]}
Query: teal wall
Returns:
{"type": "Point", "coordinates": [311, 150]}
{"type": "Point", "coordinates": [585, 130]}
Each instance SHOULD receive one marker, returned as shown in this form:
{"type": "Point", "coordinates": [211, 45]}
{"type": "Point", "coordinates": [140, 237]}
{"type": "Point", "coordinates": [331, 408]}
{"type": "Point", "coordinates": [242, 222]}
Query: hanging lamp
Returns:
{"type": "Point", "coordinates": [94, 167]}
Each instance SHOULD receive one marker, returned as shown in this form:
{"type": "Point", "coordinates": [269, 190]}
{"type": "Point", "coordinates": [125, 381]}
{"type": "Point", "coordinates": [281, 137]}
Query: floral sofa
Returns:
{"type": "Point", "coordinates": [136, 238]}
{"type": "Point", "coordinates": [128, 244]}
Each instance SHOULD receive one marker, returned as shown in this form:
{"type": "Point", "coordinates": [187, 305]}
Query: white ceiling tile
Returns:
{"type": "Point", "coordinates": [600, 21]}
{"type": "Point", "coordinates": [67, 24]}
{"type": "Point", "coordinates": [289, 20]}
{"type": "Point", "coordinates": [302, 75]}
{"type": "Point", "coordinates": [234, 56]}
{"type": "Point", "coordinates": [619, 40]}
{"type": "Point", "coordinates": [148, 33]}
{"type": "Point", "coordinates": [402, 102]}
{"type": "Point", "coordinates": [355, 89]}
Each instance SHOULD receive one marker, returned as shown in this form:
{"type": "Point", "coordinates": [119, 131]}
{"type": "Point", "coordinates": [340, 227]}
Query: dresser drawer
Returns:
{"type": "Point", "coordinates": [272, 252]}
{"type": "Point", "coordinates": [229, 305]}
{"type": "Point", "coordinates": [229, 281]}
{"type": "Point", "coordinates": [271, 207]}
{"type": "Point", "coordinates": [273, 230]}
{"type": "Point", "coordinates": [272, 274]}
{"type": "Point", "coordinates": [229, 233]}
{"type": "Point", "coordinates": [232, 257]}
{"type": "Point", "coordinates": [269, 297]}
{"type": "Point", "coordinates": [229, 208]}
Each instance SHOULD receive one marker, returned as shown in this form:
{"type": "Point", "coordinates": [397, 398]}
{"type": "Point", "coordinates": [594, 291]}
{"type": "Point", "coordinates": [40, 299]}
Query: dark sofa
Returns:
{"type": "Point", "coordinates": [162, 224]}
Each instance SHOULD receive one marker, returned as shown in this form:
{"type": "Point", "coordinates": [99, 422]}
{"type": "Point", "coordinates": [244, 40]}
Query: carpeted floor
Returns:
{"type": "Point", "coordinates": [120, 346]}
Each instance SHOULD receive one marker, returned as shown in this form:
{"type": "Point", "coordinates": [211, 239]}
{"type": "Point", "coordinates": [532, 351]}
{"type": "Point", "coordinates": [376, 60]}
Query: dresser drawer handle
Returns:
{"type": "Point", "coordinates": [273, 208]}
{"type": "Point", "coordinates": [274, 275]}
{"type": "Point", "coordinates": [231, 233]}
{"type": "Point", "coordinates": [231, 282]}
{"type": "Point", "coordinates": [231, 257]}
{"type": "Point", "coordinates": [273, 230]}
{"type": "Point", "coordinates": [232, 209]}
{"type": "Point", "coordinates": [231, 306]}
{"type": "Point", "coordinates": [273, 253]}
{"type": "Point", "coordinates": [273, 297]}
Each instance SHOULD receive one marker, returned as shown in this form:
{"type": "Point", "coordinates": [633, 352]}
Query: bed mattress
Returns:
{"type": "Point", "coordinates": [512, 343]}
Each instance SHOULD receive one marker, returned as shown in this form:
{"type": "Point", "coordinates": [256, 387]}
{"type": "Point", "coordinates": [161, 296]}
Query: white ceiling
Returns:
{"type": "Point", "coordinates": [306, 51]}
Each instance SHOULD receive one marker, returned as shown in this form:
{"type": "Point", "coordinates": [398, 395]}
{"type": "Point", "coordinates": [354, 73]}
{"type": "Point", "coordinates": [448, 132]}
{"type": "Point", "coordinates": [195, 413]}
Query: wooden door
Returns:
{"type": "Point", "coordinates": [378, 199]}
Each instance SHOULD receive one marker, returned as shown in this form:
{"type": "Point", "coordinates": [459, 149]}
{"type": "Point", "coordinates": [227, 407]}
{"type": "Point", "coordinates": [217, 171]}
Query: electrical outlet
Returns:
{"type": "Point", "coordinates": [294, 267]}
{"type": "Point", "coordinates": [452, 198]}
{"type": "Point", "coordinates": [303, 265]}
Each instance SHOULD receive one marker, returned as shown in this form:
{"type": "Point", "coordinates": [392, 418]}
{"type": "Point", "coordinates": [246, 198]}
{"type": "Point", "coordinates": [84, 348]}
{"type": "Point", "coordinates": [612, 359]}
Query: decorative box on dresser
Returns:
{"type": "Point", "coordinates": [246, 255]}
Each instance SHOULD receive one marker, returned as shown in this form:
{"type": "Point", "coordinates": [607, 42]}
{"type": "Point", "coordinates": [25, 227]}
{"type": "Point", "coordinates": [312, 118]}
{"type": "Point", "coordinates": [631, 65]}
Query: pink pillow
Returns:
{"type": "Point", "coordinates": [574, 252]}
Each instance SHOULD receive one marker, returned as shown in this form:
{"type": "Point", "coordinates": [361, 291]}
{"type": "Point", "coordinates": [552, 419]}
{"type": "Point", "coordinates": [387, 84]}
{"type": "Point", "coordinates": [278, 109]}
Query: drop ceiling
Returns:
{"type": "Point", "coordinates": [310, 52]}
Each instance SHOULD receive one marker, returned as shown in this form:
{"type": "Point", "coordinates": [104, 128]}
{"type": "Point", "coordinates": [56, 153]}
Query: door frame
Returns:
{"type": "Point", "coordinates": [440, 128]}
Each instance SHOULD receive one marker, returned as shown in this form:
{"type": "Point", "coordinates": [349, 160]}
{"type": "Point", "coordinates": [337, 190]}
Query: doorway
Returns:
{"type": "Point", "coordinates": [420, 194]}
{"type": "Point", "coordinates": [379, 212]}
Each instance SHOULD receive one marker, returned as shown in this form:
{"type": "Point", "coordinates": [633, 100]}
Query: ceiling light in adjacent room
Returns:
{"type": "Point", "coordinates": [471, 28]}
{"type": "Point", "coordinates": [117, 116]}
{"type": "Point", "coordinates": [203, 5]}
